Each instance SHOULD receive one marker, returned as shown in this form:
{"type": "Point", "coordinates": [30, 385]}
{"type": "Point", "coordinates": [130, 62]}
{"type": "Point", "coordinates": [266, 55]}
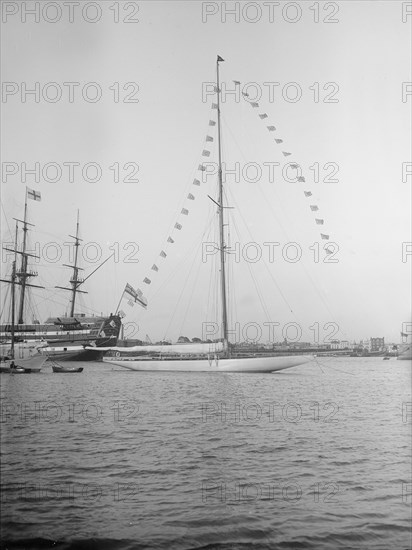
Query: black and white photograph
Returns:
{"type": "Point", "coordinates": [205, 285]}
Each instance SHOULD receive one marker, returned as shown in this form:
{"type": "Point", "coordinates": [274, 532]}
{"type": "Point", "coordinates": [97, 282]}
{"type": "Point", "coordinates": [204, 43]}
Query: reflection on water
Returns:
{"type": "Point", "coordinates": [314, 457]}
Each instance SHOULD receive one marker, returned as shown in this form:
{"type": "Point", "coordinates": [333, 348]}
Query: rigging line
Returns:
{"type": "Point", "coordinates": [179, 266]}
{"type": "Point", "coordinates": [190, 299]}
{"type": "Point", "coordinates": [180, 296]}
{"type": "Point", "coordinates": [334, 368]}
{"type": "Point", "coordinates": [257, 287]}
{"type": "Point", "coordinates": [192, 175]}
{"type": "Point", "coordinates": [302, 263]}
{"type": "Point", "coordinates": [5, 217]}
{"type": "Point", "coordinates": [264, 263]}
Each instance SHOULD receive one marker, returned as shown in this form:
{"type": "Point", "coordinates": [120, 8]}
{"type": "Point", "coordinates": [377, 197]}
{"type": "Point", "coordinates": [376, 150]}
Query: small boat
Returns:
{"type": "Point", "coordinates": [59, 368]}
{"type": "Point", "coordinates": [386, 358]}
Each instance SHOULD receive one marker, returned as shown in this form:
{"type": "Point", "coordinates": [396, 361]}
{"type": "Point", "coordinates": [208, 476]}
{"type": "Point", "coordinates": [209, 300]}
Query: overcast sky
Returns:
{"type": "Point", "coordinates": [348, 61]}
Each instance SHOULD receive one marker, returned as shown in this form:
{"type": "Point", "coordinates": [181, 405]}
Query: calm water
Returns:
{"type": "Point", "coordinates": [317, 457]}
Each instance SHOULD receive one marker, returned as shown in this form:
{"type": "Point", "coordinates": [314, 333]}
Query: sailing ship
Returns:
{"type": "Point", "coordinates": [205, 357]}
{"type": "Point", "coordinates": [64, 337]}
{"type": "Point", "coordinates": [19, 357]}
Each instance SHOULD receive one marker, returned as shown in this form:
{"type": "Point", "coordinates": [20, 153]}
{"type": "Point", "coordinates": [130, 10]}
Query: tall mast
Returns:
{"type": "Point", "coordinates": [20, 277]}
{"type": "Point", "coordinates": [75, 281]}
{"type": "Point", "coordinates": [23, 269]}
{"type": "Point", "coordinates": [221, 219]}
{"type": "Point", "coordinates": [24, 274]}
{"type": "Point", "coordinates": [13, 288]}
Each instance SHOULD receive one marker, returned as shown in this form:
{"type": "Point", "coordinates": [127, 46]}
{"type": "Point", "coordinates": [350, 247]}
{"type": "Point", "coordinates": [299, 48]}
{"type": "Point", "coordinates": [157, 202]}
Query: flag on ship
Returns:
{"type": "Point", "coordinates": [34, 195]}
{"type": "Point", "coordinates": [137, 295]}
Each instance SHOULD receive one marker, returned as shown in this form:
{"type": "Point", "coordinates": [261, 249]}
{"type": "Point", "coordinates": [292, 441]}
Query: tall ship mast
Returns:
{"type": "Point", "coordinates": [65, 338]}
{"type": "Point", "coordinates": [24, 274]}
{"type": "Point", "coordinates": [221, 219]}
{"type": "Point", "coordinates": [75, 281]}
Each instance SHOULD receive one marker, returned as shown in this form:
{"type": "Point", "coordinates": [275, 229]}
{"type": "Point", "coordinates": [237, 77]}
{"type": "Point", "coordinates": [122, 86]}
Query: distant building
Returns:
{"type": "Point", "coordinates": [377, 344]}
{"type": "Point", "coordinates": [335, 344]}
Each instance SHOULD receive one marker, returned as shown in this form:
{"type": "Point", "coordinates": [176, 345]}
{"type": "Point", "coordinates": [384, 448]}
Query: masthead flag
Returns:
{"type": "Point", "coordinates": [34, 195]}
{"type": "Point", "coordinates": [219, 58]}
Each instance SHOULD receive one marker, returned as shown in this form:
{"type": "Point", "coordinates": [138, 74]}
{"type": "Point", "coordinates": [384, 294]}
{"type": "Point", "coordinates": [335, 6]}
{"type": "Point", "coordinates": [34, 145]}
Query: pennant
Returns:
{"type": "Point", "coordinates": [271, 128]}
{"type": "Point", "coordinates": [245, 94]}
{"type": "Point", "coordinates": [34, 195]}
{"type": "Point", "coordinates": [254, 104]}
{"type": "Point", "coordinates": [263, 115]}
{"type": "Point", "coordinates": [147, 281]}
{"type": "Point", "coordinates": [237, 82]}
{"type": "Point", "coordinates": [404, 334]}
{"type": "Point", "coordinates": [216, 89]}
{"type": "Point", "coordinates": [209, 138]}
{"type": "Point", "coordinates": [214, 105]}
{"type": "Point", "coordinates": [191, 197]}
{"type": "Point", "coordinates": [121, 314]}
{"type": "Point", "coordinates": [308, 193]}
{"type": "Point", "coordinates": [184, 211]}
{"type": "Point", "coordinates": [212, 123]}
{"type": "Point", "coordinates": [205, 153]}
{"type": "Point", "coordinates": [163, 254]}
{"type": "Point", "coordinates": [295, 166]}
{"type": "Point", "coordinates": [130, 303]}
{"type": "Point", "coordinates": [155, 268]}
{"type": "Point", "coordinates": [178, 226]}
{"type": "Point", "coordinates": [112, 324]}
{"type": "Point", "coordinates": [325, 237]}
{"type": "Point", "coordinates": [196, 182]}
{"type": "Point", "coordinates": [328, 251]}
{"type": "Point", "coordinates": [201, 168]}
{"type": "Point", "coordinates": [318, 221]}
{"type": "Point", "coordinates": [279, 140]}
{"type": "Point", "coordinates": [170, 240]}
{"type": "Point", "coordinates": [301, 178]}
{"type": "Point", "coordinates": [219, 58]}
{"type": "Point", "coordinates": [314, 208]}
{"type": "Point", "coordinates": [286, 154]}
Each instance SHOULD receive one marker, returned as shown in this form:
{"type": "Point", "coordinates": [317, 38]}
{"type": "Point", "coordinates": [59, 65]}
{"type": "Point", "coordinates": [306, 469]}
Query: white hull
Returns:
{"type": "Point", "coordinates": [243, 364]}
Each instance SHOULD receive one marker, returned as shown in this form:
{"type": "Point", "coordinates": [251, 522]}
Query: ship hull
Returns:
{"type": "Point", "coordinates": [75, 353]}
{"type": "Point", "coordinates": [239, 364]}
